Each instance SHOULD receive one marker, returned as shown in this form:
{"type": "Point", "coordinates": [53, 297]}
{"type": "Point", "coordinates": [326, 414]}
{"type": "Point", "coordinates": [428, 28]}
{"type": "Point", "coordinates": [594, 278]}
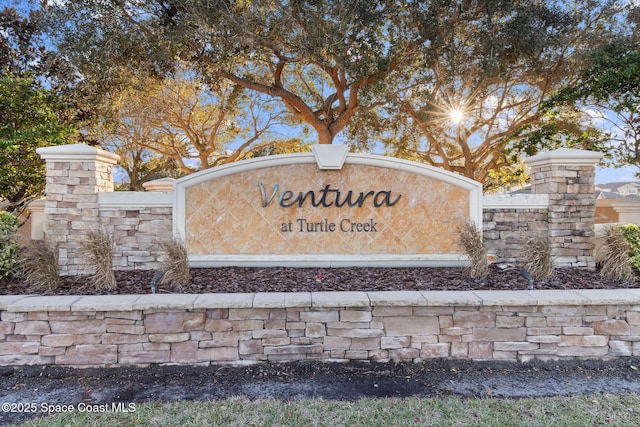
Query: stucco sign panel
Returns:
{"type": "Point", "coordinates": [285, 210]}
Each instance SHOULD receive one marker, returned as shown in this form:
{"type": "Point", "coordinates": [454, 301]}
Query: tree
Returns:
{"type": "Point", "coordinates": [21, 50]}
{"type": "Point", "coordinates": [180, 121]}
{"type": "Point", "coordinates": [321, 59]}
{"type": "Point", "coordinates": [31, 115]}
{"type": "Point", "coordinates": [29, 119]}
{"type": "Point", "coordinates": [397, 67]}
{"type": "Point", "coordinates": [476, 105]}
{"type": "Point", "coordinates": [139, 163]}
{"type": "Point", "coordinates": [279, 146]}
{"type": "Point", "coordinates": [610, 85]}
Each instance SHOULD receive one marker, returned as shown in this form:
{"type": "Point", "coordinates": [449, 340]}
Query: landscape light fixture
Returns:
{"type": "Point", "coordinates": [155, 279]}
{"type": "Point", "coordinates": [524, 273]}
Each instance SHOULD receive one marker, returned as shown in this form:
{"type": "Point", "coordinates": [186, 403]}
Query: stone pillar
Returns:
{"type": "Point", "coordinates": [75, 175]}
{"type": "Point", "coordinates": [568, 176]}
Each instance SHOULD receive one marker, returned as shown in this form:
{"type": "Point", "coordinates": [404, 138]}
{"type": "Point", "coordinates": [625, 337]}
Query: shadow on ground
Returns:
{"type": "Point", "coordinates": [301, 380]}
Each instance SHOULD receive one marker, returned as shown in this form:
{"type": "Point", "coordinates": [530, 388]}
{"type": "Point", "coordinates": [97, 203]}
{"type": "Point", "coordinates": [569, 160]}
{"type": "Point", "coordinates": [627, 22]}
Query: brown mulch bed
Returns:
{"type": "Point", "coordinates": [251, 279]}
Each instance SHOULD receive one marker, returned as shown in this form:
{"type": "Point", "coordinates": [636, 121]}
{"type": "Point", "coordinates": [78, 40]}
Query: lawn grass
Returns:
{"type": "Point", "coordinates": [610, 410]}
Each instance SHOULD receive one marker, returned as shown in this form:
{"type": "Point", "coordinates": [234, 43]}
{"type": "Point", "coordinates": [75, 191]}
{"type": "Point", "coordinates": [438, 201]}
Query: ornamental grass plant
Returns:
{"type": "Point", "coordinates": [174, 264]}
{"type": "Point", "coordinates": [98, 250]}
{"type": "Point", "coordinates": [470, 240]}
{"type": "Point", "coordinates": [612, 255]}
{"type": "Point", "coordinates": [537, 258]}
{"type": "Point", "coordinates": [39, 266]}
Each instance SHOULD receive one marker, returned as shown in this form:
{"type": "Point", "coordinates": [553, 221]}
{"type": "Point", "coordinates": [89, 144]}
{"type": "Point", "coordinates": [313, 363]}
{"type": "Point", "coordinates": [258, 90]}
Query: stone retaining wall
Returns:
{"type": "Point", "coordinates": [333, 326]}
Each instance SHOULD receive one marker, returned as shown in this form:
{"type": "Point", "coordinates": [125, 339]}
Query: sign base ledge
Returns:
{"type": "Point", "coordinates": [329, 261]}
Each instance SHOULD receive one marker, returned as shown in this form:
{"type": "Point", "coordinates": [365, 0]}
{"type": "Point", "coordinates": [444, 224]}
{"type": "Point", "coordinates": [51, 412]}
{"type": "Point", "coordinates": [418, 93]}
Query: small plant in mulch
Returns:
{"type": "Point", "coordinates": [98, 250]}
{"type": "Point", "coordinates": [537, 258]}
{"type": "Point", "coordinates": [39, 266]}
{"type": "Point", "coordinates": [174, 263]}
{"type": "Point", "coordinates": [612, 255]}
{"type": "Point", "coordinates": [470, 240]}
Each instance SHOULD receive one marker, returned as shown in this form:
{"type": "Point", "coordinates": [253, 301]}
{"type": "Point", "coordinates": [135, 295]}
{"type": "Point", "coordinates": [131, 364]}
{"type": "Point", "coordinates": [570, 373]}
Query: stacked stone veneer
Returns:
{"type": "Point", "coordinates": [568, 177]}
{"type": "Point", "coordinates": [334, 326]}
{"type": "Point", "coordinates": [136, 227]}
{"type": "Point", "coordinates": [510, 221]}
{"type": "Point", "coordinates": [561, 207]}
{"type": "Point", "coordinates": [76, 174]}
{"type": "Point", "coordinates": [80, 199]}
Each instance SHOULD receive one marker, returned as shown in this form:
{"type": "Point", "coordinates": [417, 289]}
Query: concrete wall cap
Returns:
{"type": "Point", "coordinates": [133, 200]}
{"type": "Point", "coordinates": [565, 156]}
{"type": "Point", "coordinates": [626, 205]}
{"type": "Point", "coordinates": [162, 185]}
{"type": "Point", "coordinates": [560, 297]}
{"type": "Point", "coordinates": [38, 205]}
{"type": "Point", "coordinates": [77, 152]}
{"type": "Point", "coordinates": [515, 201]}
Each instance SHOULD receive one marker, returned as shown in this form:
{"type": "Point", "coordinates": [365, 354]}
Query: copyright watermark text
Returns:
{"type": "Point", "coordinates": [47, 408]}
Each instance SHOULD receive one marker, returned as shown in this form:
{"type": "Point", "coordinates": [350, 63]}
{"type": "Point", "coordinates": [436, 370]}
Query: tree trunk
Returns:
{"type": "Point", "coordinates": [325, 136]}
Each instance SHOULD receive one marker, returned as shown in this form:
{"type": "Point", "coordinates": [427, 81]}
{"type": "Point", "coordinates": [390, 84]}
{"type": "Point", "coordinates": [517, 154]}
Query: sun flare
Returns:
{"type": "Point", "coordinates": [456, 116]}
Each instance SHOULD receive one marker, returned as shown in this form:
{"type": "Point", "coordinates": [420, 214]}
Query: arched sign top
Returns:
{"type": "Point", "coordinates": [355, 159]}
{"type": "Point", "coordinates": [286, 210]}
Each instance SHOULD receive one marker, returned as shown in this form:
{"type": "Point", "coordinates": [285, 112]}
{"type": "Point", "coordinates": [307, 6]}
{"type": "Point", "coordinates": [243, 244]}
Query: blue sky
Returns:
{"type": "Point", "coordinates": [605, 175]}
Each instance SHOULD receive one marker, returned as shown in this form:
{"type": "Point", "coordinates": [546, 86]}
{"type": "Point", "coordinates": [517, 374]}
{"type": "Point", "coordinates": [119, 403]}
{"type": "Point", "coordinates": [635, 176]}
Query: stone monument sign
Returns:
{"type": "Point", "coordinates": [326, 208]}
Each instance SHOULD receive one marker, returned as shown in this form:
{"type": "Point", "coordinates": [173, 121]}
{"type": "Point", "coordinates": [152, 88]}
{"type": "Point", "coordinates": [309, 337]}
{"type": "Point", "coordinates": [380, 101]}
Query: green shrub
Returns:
{"type": "Point", "coordinates": [631, 233]}
{"type": "Point", "coordinates": [8, 243]}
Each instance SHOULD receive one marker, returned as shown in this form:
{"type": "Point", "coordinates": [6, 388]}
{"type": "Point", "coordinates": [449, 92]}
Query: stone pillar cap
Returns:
{"type": "Point", "coordinates": [77, 152]}
{"type": "Point", "coordinates": [565, 156]}
{"type": "Point", "coordinates": [162, 185]}
{"type": "Point", "coordinates": [37, 205]}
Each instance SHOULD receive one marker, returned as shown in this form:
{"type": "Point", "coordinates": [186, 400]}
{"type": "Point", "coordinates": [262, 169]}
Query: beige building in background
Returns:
{"type": "Point", "coordinates": [618, 202]}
